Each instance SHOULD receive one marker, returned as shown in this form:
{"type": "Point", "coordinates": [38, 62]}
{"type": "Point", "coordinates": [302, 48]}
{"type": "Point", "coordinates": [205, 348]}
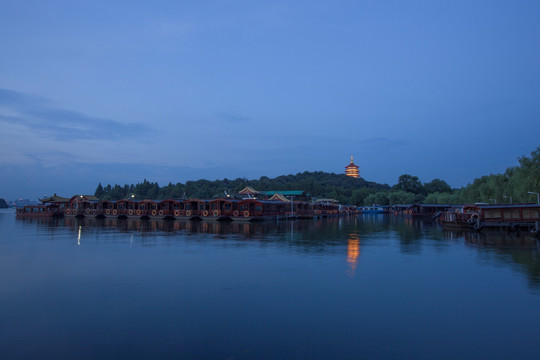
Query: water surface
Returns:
{"type": "Point", "coordinates": [359, 287]}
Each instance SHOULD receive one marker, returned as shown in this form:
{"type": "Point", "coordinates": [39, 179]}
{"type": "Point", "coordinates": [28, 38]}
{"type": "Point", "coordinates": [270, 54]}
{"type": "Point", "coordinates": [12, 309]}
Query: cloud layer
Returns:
{"type": "Point", "coordinates": [42, 117]}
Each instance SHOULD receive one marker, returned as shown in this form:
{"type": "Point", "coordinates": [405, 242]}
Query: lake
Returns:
{"type": "Point", "coordinates": [369, 287]}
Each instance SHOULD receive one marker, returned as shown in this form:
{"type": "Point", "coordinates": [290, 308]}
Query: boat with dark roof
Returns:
{"type": "Point", "coordinates": [38, 211]}
{"type": "Point", "coordinates": [254, 206]}
{"type": "Point", "coordinates": [257, 210]}
{"type": "Point", "coordinates": [50, 207]}
{"type": "Point", "coordinates": [510, 217]}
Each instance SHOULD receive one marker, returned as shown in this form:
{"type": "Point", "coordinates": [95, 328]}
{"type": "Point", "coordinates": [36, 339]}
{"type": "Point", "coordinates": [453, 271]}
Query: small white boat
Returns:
{"type": "Point", "coordinates": [371, 210]}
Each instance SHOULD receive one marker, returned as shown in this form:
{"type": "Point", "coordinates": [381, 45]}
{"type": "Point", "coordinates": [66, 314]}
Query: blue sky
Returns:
{"type": "Point", "coordinates": [116, 92]}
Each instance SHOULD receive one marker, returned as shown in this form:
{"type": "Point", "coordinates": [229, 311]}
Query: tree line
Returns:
{"type": "Point", "coordinates": [513, 186]}
{"type": "Point", "coordinates": [3, 204]}
{"type": "Point", "coordinates": [515, 183]}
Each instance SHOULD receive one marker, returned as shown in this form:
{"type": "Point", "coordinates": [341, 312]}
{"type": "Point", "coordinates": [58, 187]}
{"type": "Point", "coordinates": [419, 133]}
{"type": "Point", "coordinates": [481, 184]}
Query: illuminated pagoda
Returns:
{"type": "Point", "coordinates": [352, 170]}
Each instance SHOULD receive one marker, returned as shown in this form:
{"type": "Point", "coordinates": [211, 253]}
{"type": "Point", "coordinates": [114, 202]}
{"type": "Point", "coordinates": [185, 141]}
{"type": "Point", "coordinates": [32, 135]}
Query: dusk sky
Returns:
{"type": "Point", "coordinates": [169, 91]}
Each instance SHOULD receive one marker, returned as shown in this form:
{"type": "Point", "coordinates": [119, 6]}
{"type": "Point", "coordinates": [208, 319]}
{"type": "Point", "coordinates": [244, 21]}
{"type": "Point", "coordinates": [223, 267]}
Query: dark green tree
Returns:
{"type": "Point", "coordinates": [410, 184]}
{"type": "Point", "coordinates": [379, 198]}
{"type": "Point", "coordinates": [99, 191]}
{"type": "Point", "coordinates": [437, 185]}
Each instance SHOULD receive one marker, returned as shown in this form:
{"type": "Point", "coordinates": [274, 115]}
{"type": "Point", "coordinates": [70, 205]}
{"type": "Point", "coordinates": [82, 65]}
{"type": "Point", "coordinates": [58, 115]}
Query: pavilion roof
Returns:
{"type": "Point", "coordinates": [279, 197]}
{"type": "Point", "coordinates": [55, 198]}
{"type": "Point", "coordinates": [248, 190]}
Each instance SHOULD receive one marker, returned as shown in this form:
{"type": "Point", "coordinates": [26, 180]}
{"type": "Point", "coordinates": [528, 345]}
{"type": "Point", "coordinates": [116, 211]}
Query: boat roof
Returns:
{"type": "Point", "coordinates": [507, 206]}
{"type": "Point", "coordinates": [55, 198]}
{"type": "Point", "coordinates": [435, 205]}
{"type": "Point", "coordinates": [283, 192]}
{"type": "Point", "coordinates": [264, 201]}
{"type": "Point", "coordinates": [224, 199]}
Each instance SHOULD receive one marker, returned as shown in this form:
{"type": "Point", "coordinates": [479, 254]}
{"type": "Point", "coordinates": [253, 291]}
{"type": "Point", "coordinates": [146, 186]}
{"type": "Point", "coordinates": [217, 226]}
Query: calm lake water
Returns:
{"type": "Point", "coordinates": [369, 287]}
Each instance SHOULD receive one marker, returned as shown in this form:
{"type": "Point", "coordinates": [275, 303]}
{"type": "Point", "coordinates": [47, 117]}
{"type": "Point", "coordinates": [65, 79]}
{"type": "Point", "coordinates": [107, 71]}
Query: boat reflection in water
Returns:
{"type": "Point", "coordinates": [248, 229]}
{"type": "Point", "coordinates": [413, 236]}
{"type": "Point", "coordinates": [494, 239]}
{"type": "Point", "coordinates": [518, 251]}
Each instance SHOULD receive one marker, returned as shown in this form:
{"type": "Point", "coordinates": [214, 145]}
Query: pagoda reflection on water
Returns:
{"type": "Point", "coordinates": [352, 170]}
{"type": "Point", "coordinates": [353, 252]}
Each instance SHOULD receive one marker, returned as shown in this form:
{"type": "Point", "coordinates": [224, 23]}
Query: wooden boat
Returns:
{"type": "Point", "coordinates": [219, 209]}
{"type": "Point", "coordinates": [109, 209]}
{"type": "Point", "coordinates": [163, 209]}
{"type": "Point", "coordinates": [227, 208]}
{"type": "Point", "coordinates": [348, 210]}
{"type": "Point", "coordinates": [427, 209]}
{"type": "Point", "coordinates": [120, 209]}
{"type": "Point", "coordinates": [257, 210]}
{"type": "Point", "coordinates": [140, 209]}
{"type": "Point", "coordinates": [325, 208]}
{"type": "Point", "coordinates": [81, 205]}
{"type": "Point", "coordinates": [514, 217]}
{"type": "Point", "coordinates": [50, 206]}
{"type": "Point", "coordinates": [38, 211]}
{"type": "Point", "coordinates": [187, 209]}
{"type": "Point", "coordinates": [303, 210]}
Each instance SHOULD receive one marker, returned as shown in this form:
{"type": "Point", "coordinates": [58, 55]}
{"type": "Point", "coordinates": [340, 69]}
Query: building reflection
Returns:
{"type": "Point", "coordinates": [494, 239]}
{"type": "Point", "coordinates": [353, 252]}
{"type": "Point", "coordinates": [309, 236]}
{"type": "Point", "coordinates": [247, 229]}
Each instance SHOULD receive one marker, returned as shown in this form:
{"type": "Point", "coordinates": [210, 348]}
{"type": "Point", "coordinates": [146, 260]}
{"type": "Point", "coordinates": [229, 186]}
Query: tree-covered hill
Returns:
{"type": "Point", "coordinates": [317, 184]}
{"type": "Point", "coordinates": [515, 184]}
{"type": "Point", "coordinates": [3, 204]}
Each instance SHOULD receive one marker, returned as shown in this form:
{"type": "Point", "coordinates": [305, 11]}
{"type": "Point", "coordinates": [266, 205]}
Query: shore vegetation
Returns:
{"type": "Point", "coordinates": [514, 185]}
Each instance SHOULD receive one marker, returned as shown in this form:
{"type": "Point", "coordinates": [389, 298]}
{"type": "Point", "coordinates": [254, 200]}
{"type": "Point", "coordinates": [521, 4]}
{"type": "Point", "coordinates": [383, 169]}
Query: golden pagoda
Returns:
{"type": "Point", "coordinates": [352, 170]}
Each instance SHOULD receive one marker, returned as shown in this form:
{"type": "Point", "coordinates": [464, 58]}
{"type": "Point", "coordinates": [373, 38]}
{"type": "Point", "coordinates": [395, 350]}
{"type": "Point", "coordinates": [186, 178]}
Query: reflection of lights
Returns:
{"type": "Point", "coordinates": [292, 232]}
{"type": "Point", "coordinates": [353, 252]}
{"type": "Point", "coordinates": [79, 235]}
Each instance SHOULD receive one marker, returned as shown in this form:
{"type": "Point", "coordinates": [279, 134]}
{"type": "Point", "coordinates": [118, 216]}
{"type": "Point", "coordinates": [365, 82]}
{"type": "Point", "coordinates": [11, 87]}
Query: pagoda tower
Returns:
{"type": "Point", "coordinates": [352, 170]}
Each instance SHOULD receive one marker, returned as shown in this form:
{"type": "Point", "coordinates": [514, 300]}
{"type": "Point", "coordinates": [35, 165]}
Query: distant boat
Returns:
{"type": "Point", "coordinates": [371, 210]}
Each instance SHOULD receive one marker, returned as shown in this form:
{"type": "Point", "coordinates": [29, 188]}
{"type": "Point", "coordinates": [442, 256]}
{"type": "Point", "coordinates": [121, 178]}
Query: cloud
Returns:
{"type": "Point", "coordinates": [19, 100]}
{"type": "Point", "coordinates": [232, 117]}
{"type": "Point", "coordinates": [42, 116]}
{"type": "Point", "coordinates": [67, 179]}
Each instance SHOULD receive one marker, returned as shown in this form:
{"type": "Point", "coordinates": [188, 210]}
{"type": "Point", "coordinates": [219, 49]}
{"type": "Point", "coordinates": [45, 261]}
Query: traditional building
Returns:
{"type": "Point", "coordinates": [352, 170]}
{"type": "Point", "coordinates": [281, 195]}
{"type": "Point", "coordinates": [249, 191]}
